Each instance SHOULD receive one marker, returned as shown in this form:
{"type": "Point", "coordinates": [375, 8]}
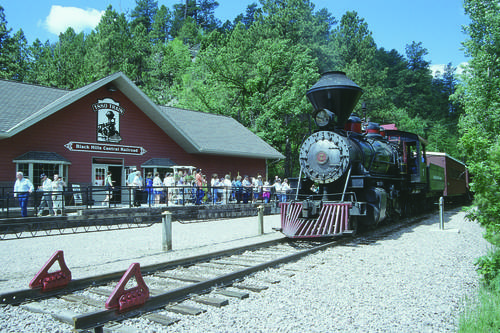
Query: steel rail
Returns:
{"type": "Point", "coordinates": [97, 319]}
{"type": "Point", "coordinates": [19, 296]}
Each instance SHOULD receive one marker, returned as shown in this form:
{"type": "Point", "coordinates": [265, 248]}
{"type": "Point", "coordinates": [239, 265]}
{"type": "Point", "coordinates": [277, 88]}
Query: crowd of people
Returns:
{"type": "Point", "coordinates": [51, 190]}
{"type": "Point", "coordinates": [182, 188]}
{"type": "Point", "coordinates": [179, 188]}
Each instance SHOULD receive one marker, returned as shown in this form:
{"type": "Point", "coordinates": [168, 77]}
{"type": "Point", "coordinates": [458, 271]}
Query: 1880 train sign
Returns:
{"type": "Point", "coordinates": [108, 120]}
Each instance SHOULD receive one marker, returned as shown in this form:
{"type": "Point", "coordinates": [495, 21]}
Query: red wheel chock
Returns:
{"type": "Point", "coordinates": [125, 300]}
{"type": "Point", "coordinates": [50, 281]}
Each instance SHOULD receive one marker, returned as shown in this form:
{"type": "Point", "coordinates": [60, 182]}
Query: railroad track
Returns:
{"type": "Point", "coordinates": [174, 288]}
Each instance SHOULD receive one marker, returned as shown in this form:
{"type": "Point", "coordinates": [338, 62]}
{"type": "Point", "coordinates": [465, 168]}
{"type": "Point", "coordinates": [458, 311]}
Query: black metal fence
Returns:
{"type": "Point", "coordinates": [84, 197]}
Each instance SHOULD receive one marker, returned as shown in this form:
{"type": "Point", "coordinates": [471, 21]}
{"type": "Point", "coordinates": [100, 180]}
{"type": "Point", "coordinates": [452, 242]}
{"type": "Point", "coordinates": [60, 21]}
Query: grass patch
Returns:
{"type": "Point", "coordinates": [484, 316]}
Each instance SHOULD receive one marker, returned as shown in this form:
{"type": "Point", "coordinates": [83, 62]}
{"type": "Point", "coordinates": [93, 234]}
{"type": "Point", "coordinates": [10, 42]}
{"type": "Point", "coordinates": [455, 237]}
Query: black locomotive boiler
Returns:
{"type": "Point", "coordinates": [363, 177]}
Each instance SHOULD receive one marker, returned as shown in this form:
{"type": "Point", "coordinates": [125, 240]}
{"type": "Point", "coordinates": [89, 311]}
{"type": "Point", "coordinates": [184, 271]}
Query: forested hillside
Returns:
{"type": "Point", "coordinates": [255, 69]}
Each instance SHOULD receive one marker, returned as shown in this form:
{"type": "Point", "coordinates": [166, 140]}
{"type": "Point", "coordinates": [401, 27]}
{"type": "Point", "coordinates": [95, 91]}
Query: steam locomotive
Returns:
{"type": "Point", "coordinates": [364, 176]}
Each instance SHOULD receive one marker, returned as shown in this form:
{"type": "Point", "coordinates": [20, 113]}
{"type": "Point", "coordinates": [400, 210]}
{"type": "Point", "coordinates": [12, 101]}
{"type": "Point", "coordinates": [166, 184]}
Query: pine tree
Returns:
{"type": "Point", "coordinates": [144, 13]}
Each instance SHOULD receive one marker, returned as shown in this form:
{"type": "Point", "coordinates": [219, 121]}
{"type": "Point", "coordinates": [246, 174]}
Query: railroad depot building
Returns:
{"type": "Point", "coordinates": [111, 125]}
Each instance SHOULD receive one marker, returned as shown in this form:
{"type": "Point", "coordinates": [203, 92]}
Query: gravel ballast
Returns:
{"type": "Point", "coordinates": [415, 280]}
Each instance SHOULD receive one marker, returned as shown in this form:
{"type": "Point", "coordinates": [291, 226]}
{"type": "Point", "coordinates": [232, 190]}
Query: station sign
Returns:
{"type": "Point", "coordinates": [104, 148]}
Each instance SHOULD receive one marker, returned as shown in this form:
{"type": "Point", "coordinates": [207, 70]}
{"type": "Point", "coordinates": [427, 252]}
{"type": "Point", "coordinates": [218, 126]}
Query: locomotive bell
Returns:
{"type": "Point", "coordinates": [336, 93]}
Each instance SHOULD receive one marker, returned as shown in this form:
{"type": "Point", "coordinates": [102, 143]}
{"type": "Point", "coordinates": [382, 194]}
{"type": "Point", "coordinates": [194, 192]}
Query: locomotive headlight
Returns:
{"type": "Point", "coordinates": [323, 117]}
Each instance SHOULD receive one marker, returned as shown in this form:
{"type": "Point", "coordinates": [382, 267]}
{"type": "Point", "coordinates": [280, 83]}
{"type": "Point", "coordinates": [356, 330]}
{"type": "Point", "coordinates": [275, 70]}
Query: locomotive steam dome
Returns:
{"type": "Point", "coordinates": [336, 93]}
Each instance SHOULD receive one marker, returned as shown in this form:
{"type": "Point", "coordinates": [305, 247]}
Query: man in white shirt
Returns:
{"type": "Point", "coordinates": [22, 188]}
{"type": "Point", "coordinates": [57, 193]}
{"type": "Point", "coordinates": [137, 183]}
{"type": "Point", "coordinates": [130, 184]}
{"type": "Point", "coordinates": [46, 188]}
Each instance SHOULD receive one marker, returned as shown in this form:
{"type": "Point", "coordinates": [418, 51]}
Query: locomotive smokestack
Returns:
{"type": "Point", "coordinates": [336, 93]}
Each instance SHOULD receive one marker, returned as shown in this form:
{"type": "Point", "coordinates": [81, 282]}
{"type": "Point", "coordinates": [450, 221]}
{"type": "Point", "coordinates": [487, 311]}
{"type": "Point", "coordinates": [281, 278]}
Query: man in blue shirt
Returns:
{"type": "Point", "coordinates": [238, 189]}
{"type": "Point", "coordinates": [22, 188]}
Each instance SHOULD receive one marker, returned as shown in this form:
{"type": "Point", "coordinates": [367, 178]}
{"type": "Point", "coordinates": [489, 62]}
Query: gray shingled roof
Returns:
{"type": "Point", "coordinates": [19, 101]}
{"type": "Point", "coordinates": [215, 134]}
{"type": "Point", "coordinates": [22, 105]}
{"type": "Point", "coordinates": [158, 162]}
{"type": "Point", "coordinates": [41, 156]}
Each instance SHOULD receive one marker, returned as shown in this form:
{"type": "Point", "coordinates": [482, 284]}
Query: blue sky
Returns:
{"type": "Point", "coordinates": [394, 23]}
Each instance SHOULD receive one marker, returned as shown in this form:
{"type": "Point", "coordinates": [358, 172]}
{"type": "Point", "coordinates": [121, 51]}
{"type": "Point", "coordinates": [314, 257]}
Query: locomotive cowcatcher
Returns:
{"type": "Point", "coordinates": [364, 177]}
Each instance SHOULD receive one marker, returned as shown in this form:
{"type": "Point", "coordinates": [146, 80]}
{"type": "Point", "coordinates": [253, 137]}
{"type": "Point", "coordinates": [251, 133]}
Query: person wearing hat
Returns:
{"type": "Point", "coordinates": [22, 188]}
{"type": "Point", "coordinates": [46, 189]}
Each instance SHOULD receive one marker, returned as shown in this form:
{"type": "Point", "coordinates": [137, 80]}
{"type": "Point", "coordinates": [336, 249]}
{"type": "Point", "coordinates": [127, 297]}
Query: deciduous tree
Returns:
{"type": "Point", "coordinates": [479, 94]}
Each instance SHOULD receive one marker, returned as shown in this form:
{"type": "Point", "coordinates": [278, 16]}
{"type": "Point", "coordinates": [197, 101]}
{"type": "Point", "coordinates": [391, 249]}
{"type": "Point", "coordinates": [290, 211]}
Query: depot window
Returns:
{"type": "Point", "coordinates": [33, 164]}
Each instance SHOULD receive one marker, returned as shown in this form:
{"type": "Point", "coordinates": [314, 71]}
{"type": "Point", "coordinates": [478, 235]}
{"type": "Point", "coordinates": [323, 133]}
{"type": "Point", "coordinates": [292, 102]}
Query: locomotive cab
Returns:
{"type": "Point", "coordinates": [412, 154]}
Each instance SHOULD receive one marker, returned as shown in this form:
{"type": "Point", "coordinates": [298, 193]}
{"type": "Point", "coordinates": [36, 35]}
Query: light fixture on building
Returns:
{"type": "Point", "coordinates": [111, 88]}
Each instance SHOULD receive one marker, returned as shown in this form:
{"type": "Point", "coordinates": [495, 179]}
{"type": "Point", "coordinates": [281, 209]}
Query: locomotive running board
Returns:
{"type": "Point", "coordinates": [331, 222]}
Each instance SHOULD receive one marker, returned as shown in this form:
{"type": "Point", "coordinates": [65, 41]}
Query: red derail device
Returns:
{"type": "Point", "coordinates": [124, 300]}
{"type": "Point", "coordinates": [55, 280]}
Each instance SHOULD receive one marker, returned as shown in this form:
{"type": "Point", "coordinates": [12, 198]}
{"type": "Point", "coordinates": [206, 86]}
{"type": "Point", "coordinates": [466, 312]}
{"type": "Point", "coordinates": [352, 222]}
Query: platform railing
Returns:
{"type": "Point", "coordinates": [86, 197]}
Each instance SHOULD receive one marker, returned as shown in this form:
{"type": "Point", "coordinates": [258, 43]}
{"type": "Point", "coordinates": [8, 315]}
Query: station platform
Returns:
{"type": "Point", "coordinates": [95, 253]}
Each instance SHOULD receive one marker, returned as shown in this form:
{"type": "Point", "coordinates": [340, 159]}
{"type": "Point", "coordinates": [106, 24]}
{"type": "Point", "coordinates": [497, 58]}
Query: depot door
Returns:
{"type": "Point", "coordinates": [99, 172]}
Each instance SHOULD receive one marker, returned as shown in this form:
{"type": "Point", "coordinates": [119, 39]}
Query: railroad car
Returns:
{"type": "Point", "coordinates": [455, 175]}
{"type": "Point", "coordinates": [364, 176]}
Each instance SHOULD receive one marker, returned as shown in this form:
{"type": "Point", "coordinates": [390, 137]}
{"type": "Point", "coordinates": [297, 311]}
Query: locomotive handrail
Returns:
{"type": "Point", "coordinates": [349, 195]}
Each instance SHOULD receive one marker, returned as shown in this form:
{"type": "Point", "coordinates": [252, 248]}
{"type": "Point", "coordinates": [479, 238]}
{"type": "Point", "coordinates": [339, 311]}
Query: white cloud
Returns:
{"type": "Point", "coordinates": [439, 69]}
{"type": "Point", "coordinates": [61, 18]}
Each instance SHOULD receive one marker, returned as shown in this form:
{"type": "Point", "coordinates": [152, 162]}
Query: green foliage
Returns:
{"type": "Point", "coordinates": [161, 25]}
{"type": "Point", "coordinates": [109, 46]}
{"type": "Point", "coordinates": [255, 69]}
{"type": "Point", "coordinates": [143, 14]}
{"type": "Point", "coordinates": [489, 268]}
{"type": "Point", "coordinates": [354, 52]}
{"type": "Point", "coordinates": [479, 94]}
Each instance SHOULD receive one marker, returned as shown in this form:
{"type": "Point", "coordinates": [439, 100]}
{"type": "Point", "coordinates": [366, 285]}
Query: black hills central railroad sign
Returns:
{"type": "Point", "coordinates": [104, 148]}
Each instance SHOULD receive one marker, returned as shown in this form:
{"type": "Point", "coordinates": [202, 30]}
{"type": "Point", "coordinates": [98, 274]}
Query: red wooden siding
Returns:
{"type": "Point", "coordinates": [78, 122]}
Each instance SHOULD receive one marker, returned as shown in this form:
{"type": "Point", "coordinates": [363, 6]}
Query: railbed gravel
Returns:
{"type": "Point", "coordinates": [415, 280]}
{"type": "Point", "coordinates": [418, 279]}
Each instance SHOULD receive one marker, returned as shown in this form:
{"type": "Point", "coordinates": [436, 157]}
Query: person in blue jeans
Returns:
{"type": "Point", "coordinates": [22, 188]}
{"type": "Point", "coordinates": [149, 188]}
